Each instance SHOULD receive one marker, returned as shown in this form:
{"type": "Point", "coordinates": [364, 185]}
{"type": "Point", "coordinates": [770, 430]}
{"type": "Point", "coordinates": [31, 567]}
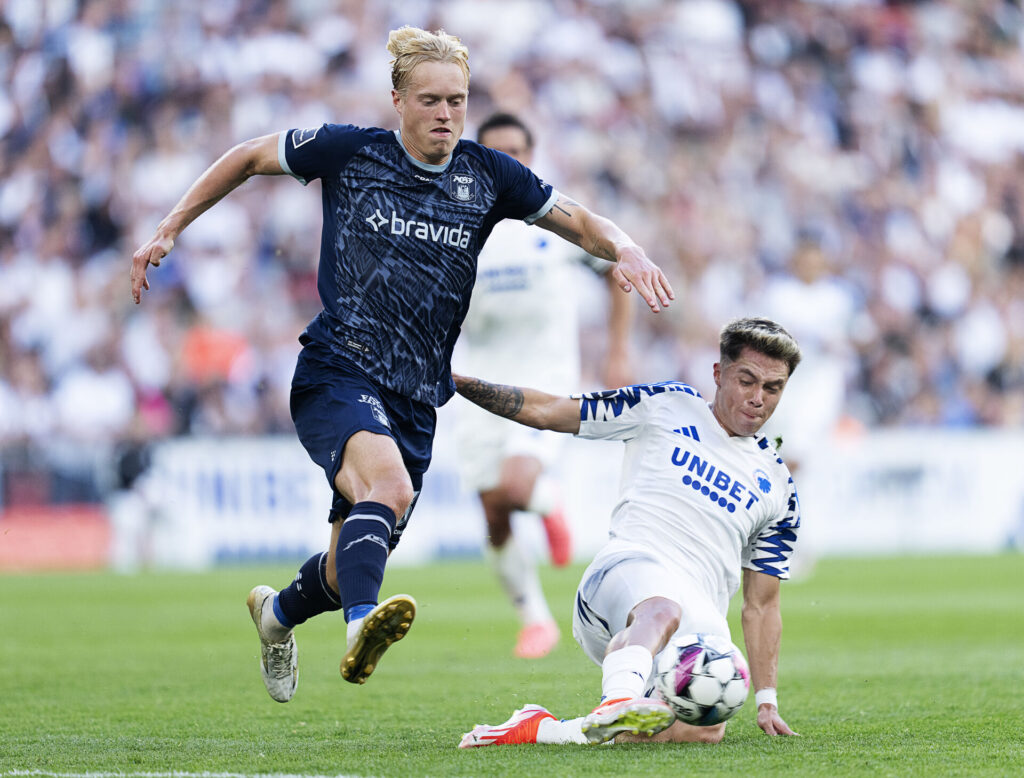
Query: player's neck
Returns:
{"type": "Point", "coordinates": [714, 412]}
{"type": "Point", "coordinates": [419, 159]}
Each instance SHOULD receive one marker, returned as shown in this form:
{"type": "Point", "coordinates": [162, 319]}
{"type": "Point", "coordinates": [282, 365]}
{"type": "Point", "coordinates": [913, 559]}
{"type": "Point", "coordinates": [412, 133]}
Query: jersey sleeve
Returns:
{"type": "Point", "coordinates": [610, 415]}
{"type": "Point", "coordinates": [769, 551]}
{"type": "Point", "coordinates": [318, 152]}
{"type": "Point", "coordinates": [522, 195]}
{"type": "Point", "coordinates": [620, 414]}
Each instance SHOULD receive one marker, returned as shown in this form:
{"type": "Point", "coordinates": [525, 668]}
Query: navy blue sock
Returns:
{"type": "Point", "coordinates": [362, 553]}
{"type": "Point", "coordinates": [308, 595]}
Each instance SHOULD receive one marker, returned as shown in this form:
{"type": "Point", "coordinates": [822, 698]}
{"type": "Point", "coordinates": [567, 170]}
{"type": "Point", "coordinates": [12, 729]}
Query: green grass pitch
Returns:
{"type": "Point", "coordinates": [909, 666]}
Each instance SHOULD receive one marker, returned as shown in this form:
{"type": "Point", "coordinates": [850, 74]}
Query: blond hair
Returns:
{"type": "Point", "coordinates": [410, 46]}
{"type": "Point", "coordinates": [762, 335]}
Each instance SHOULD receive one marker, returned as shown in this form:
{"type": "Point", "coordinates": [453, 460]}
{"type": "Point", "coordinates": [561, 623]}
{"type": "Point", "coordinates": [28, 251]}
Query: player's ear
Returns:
{"type": "Point", "coordinates": [396, 100]}
{"type": "Point", "coordinates": [718, 374]}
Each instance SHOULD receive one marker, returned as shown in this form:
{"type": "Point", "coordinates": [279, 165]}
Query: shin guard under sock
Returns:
{"type": "Point", "coordinates": [362, 553]}
{"type": "Point", "coordinates": [624, 673]}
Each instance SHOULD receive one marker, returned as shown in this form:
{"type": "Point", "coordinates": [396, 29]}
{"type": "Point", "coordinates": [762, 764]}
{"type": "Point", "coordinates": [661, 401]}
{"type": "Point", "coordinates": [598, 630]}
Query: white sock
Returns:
{"type": "Point", "coordinates": [544, 497]}
{"type": "Point", "coordinates": [559, 732]}
{"type": "Point", "coordinates": [519, 578]}
{"type": "Point", "coordinates": [624, 673]}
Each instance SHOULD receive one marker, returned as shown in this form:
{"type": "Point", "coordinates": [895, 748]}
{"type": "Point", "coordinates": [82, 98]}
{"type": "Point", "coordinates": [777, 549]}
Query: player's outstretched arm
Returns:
{"type": "Point", "coordinates": [253, 157]}
{"type": "Point", "coordinates": [762, 633]}
{"type": "Point", "coordinates": [603, 238]}
{"type": "Point", "coordinates": [526, 406]}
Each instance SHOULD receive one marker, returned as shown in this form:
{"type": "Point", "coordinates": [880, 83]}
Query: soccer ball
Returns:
{"type": "Point", "coordinates": [704, 678]}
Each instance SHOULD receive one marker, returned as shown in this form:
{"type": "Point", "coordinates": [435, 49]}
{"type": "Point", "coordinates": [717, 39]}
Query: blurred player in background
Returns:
{"type": "Point", "coordinates": [405, 214]}
{"type": "Point", "coordinates": [704, 498]}
{"type": "Point", "coordinates": [522, 327]}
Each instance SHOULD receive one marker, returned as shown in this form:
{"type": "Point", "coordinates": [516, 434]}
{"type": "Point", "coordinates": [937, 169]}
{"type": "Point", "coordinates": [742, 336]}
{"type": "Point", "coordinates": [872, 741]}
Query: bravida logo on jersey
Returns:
{"type": "Point", "coordinates": [435, 233]}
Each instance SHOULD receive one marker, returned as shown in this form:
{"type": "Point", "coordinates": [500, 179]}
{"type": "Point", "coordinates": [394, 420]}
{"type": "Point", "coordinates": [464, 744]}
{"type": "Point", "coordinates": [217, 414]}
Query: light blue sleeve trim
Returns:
{"type": "Point", "coordinates": [282, 157]}
{"type": "Point", "coordinates": [544, 208]}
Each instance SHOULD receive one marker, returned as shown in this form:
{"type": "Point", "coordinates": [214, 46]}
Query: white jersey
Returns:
{"type": "Point", "coordinates": [522, 323]}
{"type": "Point", "coordinates": [690, 492]}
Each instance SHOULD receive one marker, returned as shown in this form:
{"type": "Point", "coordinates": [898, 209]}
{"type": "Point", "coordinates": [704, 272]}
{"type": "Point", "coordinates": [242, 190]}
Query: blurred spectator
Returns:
{"type": "Point", "coordinates": [853, 169]}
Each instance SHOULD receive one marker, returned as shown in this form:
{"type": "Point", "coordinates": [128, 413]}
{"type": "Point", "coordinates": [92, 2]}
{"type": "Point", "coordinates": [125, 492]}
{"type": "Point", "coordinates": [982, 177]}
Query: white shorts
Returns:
{"type": "Point", "coordinates": [486, 440]}
{"type": "Point", "coordinates": [625, 574]}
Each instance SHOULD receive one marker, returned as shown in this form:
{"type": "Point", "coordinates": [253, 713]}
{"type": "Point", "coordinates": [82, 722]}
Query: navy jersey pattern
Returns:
{"type": "Point", "coordinates": [399, 246]}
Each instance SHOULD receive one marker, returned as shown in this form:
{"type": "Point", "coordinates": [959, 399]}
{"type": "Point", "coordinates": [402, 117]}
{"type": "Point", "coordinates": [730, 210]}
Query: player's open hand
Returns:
{"type": "Point", "coordinates": [152, 253]}
{"type": "Point", "coordinates": [771, 722]}
{"type": "Point", "coordinates": [634, 270]}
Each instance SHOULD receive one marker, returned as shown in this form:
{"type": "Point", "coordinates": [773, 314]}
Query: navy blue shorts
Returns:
{"type": "Point", "coordinates": [332, 399]}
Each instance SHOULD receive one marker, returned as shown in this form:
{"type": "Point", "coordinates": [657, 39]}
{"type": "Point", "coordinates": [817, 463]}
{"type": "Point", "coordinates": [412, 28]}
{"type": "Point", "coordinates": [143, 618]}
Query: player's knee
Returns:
{"type": "Point", "coordinates": [711, 735]}
{"type": "Point", "coordinates": [670, 615]}
{"type": "Point", "coordinates": [399, 495]}
{"type": "Point", "coordinates": [393, 489]}
{"type": "Point", "coordinates": [516, 496]}
{"type": "Point", "coordinates": [515, 492]}
{"type": "Point", "coordinates": [518, 477]}
{"type": "Point", "coordinates": [658, 612]}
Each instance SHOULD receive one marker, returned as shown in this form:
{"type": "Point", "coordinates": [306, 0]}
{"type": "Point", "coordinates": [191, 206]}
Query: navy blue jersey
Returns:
{"type": "Point", "coordinates": [399, 246]}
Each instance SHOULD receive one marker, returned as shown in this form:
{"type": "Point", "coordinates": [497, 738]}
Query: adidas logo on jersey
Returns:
{"type": "Point", "coordinates": [436, 233]}
{"type": "Point", "coordinates": [690, 432]}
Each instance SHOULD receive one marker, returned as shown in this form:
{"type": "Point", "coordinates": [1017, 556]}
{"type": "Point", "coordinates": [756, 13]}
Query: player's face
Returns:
{"type": "Point", "coordinates": [512, 140]}
{"type": "Point", "coordinates": [747, 391]}
{"type": "Point", "coordinates": [432, 110]}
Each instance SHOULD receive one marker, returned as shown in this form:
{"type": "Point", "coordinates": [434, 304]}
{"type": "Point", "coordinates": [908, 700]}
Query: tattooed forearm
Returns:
{"type": "Point", "coordinates": [558, 205]}
{"type": "Point", "coordinates": [530, 407]}
{"type": "Point", "coordinates": [503, 400]}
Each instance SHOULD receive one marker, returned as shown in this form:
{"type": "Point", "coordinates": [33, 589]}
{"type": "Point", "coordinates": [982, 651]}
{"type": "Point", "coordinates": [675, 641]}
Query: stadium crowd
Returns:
{"type": "Point", "coordinates": [852, 169]}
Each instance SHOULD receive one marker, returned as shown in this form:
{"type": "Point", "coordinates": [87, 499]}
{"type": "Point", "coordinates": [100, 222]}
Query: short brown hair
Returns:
{"type": "Point", "coordinates": [762, 335]}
